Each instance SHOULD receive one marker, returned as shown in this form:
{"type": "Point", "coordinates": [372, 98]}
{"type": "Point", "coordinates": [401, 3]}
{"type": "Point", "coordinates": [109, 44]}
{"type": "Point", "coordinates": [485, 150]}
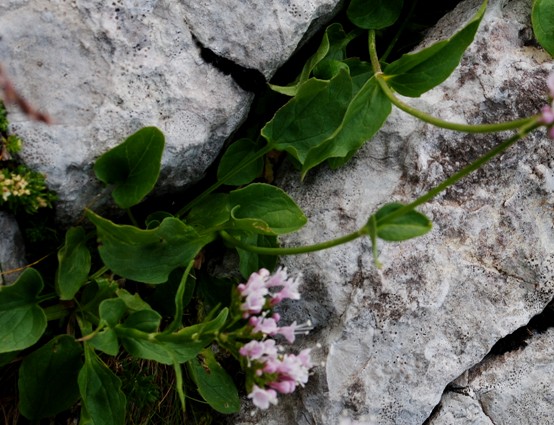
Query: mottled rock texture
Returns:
{"type": "Point", "coordinates": [12, 251]}
{"type": "Point", "coordinates": [102, 70]}
{"type": "Point", "coordinates": [394, 338]}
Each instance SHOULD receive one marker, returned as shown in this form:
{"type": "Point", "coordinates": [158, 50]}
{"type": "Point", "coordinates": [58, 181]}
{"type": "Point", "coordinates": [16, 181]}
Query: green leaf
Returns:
{"type": "Point", "coordinates": [133, 301]}
{"type": "Point", "coordinates": [542, 18]}
{"type": "Point", "coordinates": [415, 73]}
{"type": "Point", "coordinates": [168, 348]}
{"type": "Point", "coordinates": [147, 255]}
{"type": "Point", "coordinates": [133, 166]}
{"type": "Point", "coordinates": [243, 151]}
{"type": "Point", "coordinates": [73, 264]}
{"type": "Point", "coordinates": [214, 383]}
{"type": "Point", "coordinates": [213, 212]}
{"type": "Point", "coordinates": [365, 115]}
{"type": "Point", "coordinates": [106, 341]}
{"type": "Point", "coordinates": [374, 14]}
{"type": "Point", "coordinates": [144, 320]}
{"type": "Point", "coordinates": [112, 311]}
{"type": "Point", "coordinates": [101, 391]}
{"type": "Point", "coordinates": [48, 378]}
{"type": "Point", "coordinates": [265, 209]}
{"type": "Point", "coordinates": [22, 321]}
{"type": "Point", "coordinates": [406, 226]}
{"type": "Point", "coordinates": [311, 117]}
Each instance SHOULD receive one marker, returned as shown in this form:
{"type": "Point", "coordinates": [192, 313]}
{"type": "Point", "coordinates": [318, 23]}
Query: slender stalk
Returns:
{"type": "Point", "coordinates": [222, 181]}
{"type": "Point", "coordinates": [497, 150]}
{"type": "Point", "coordinates": [293, 250]}
{"type": "Point", "coordinates": [99, 273]}
{"type": "Point", "coordinates": [401, 29]}
{"type": "Point", "coordinates": [131, 217]}
{"type": "Point", "coordinates": [468, 128]}
{"type": "Point", "coordinates": [178, 319]}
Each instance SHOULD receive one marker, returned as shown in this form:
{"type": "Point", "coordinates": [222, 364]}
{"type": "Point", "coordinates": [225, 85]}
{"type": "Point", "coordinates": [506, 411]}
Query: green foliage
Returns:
{"type": "Point", "coordinates": [74, 263]}
{"type": "Point", "coordinates": [374, 14]}
{"type": "Point", "coordinates": [132, 167]}
{"type": "Point", "coordinates": [22, 320]}
{"type": "Point", "coordinates": [48, 378]}
{"type": "Point", "coordinates": [415, 73]}
{"type": "Point", "coordinates": [100, 389]}
{"type": "Point", "coordinates": [542, 18]}
{"type": "Point", "coordinates": [151, 299]}
{"type": "Point", "coordinates": [214, 383]}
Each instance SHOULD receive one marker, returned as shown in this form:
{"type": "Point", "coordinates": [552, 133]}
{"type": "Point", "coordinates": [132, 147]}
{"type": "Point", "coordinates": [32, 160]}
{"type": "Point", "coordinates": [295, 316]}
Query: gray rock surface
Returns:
{"type": "Point", "coordinates": [102, 70]}
{"type": "Point", "coordinates": [513, 389]}
{"type": "Point", "coordinates": [12, 251]}
{"type": "Point", "coordinates": [394, 338]}
{"type": "Point", "coordinates": [256, 35]}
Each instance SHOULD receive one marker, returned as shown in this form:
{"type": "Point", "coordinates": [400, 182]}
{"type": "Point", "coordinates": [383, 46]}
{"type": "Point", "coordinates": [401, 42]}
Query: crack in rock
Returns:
{"type": "Point", "coordinates": [248, 79]}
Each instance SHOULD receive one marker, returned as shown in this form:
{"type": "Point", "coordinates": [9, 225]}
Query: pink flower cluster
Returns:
{"type": "Point", "coordinates": [283, 372]}
{"type": "Point", "coordinates": [272, 371]}
{"type": "Point", "coordinates": [547, 113]}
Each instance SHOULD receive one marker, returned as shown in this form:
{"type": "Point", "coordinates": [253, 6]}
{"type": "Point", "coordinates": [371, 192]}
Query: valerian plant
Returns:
{"type": "Point", "coordinates": [64, 330]}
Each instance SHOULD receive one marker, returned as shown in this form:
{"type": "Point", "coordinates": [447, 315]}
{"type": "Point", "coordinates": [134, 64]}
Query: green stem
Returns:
{"type": "Point", "coordinates": [399, 32]}
{"type": "Point", "coordinates": [222, 181]}
{"type": "Point", "coordinates": [131, 217]}
{"type": "Point", "coordinates": [468, 128]}
{"type": "Point", "coordinates": [293, 250]}
{"type": "Point", "coordinates": [178, 319]}
{"type": "Point", "coordinates": [497, 150]}
{"type": "Point", "coordinates": [99, 273]}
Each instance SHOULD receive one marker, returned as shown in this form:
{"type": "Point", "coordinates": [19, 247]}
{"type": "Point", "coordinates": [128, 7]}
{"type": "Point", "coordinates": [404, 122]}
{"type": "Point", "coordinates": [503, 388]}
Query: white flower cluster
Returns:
{"type": "Point", "coordinates": [12, 184]}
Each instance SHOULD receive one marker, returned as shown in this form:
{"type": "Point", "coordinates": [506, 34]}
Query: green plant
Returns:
{"type": "Point", "coordinates": [112, 297]}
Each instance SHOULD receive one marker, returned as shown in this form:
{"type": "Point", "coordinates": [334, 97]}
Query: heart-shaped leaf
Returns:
{"type": "Point", "coordinates": [133, 166]}
{"type": "Point", "coordinates": [22, 320]}
{"type": "Point", "coordinates": [374, 14]}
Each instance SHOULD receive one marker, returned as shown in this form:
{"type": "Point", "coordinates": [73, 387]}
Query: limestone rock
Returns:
{"type": "Point", "coordinates": [12, 251]}
{"type": "Point", "coordinates": [394, 338]}
{"type": "Point", "coordinates": [515, 388]}
{"type": "Point", "coordinates": [256, 35]}
{"type": "Point", "coordinates": [103, 70]}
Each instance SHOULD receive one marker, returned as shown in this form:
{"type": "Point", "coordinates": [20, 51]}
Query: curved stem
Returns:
{"type": "Point", "coordinates": [497, 150]}
{"type": "Point", "coordinates": [178, 319]}
{"type": "Point", "coordinates": [222, 181]}
{"type": "Point", "coordinates": [293, 250]}
{"type": "Point", "coordinates": [468, 128]}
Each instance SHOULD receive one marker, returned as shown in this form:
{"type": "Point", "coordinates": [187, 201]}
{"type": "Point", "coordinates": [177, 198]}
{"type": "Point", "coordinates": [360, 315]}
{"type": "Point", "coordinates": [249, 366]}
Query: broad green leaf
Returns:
{"type": "Point", "coordinates": [211, 213]}
{"type": "Point", "coordinates": [133, 166]}
{"type": "Point", "coordinates": [406, 226]}
{"type": "Point", "coordinates": [542, 18]}
{"type": "Point", "coordinates": [112, 311]}
{"type": "Point", "coordinates": [311, 117]}
{"type": "Point", "coordinates": [144, 320]}
{"type": "Point", "coordinates": [106, 341]}
{"type": "Point", "coordinates": [243, 151]}
{"type": "Point", "coordinates": [374, 14]}
{"type": "Point", "coordinates": [22, 320]}
{"type": "Point", "coordinates": [101, 391]}
{"type": "Point", "coordinates": [48, 378]}
{"type": "Point", "coordinates": [415, 73]}
{"type": "Point", "coordinates": [153, 220]}
{"type": "Point", "coordinates": [73, 264]}
{"type": "Point", "coordinates": [147, 255]}
{"type": "Point", "coordinates": [168, 348]}
{"type": "Point", "coordinates": [214, 383]}
{"type": "Point", "coordinates": [96, 292]}
{"type": "Point", "coordinates": [268, 204]}
{"type": "Point", "coordinates": [365, 115]}
{"type": "Point", "coordinates": [133, 301]}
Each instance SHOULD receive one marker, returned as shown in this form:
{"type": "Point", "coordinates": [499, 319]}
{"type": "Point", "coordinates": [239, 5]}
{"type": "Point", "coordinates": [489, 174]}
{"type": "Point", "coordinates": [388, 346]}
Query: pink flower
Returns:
{"type": "Point", "coordinates": [547, 115]}
{"type": "Point", "coordinates": [262, 397]}
{"type": "Point", "coordinates": [284, 387]}
{"type": "Point", "coordinates": [290, 332]}
{"type": "Point", "coordinates": [255, 350]}
{"type": "Point", "coordinates": [264, 325]}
